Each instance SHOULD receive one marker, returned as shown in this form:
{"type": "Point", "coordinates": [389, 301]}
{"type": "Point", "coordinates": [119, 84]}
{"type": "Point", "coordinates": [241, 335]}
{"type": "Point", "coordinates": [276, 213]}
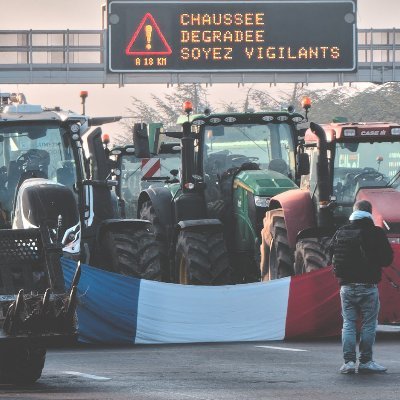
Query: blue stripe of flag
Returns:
{"type": "Point", "coordinates": [108, 304]}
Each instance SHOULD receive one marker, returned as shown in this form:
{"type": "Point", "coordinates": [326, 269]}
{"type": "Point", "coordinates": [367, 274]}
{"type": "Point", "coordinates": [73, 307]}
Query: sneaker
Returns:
{"type": "Point", "coordinates": [371, 367]}
{"type": "Point", "coordinates": [348, 368]}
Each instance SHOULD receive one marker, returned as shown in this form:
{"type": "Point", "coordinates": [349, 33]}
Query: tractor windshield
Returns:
{"type": "Point", "coordinates": [270, 146]}
{"type": "Point", "coordinates": [34, 149]}
{"type": "Point", "coordinates": [363, 164]}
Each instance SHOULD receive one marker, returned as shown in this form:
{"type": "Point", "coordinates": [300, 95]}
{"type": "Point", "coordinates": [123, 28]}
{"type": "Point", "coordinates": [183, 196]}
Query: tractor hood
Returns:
{"type": "Point", "coordinates": [263, 182]}
{"type": "Point", "coordinates": [384, 207]}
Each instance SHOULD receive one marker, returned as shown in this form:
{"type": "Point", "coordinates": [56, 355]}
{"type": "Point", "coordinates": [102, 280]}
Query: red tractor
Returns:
{"type": "Point", "coordinates": [348, 162]}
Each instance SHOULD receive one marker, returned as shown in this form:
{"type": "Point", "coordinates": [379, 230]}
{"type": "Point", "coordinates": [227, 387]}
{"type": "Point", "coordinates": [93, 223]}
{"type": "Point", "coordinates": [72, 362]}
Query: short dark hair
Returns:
{"type": "Point", "coordinates": [362, 205]}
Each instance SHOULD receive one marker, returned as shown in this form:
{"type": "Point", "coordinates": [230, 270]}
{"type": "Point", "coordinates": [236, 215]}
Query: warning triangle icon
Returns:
{"type": "Point", "coordinates": [148, 40]}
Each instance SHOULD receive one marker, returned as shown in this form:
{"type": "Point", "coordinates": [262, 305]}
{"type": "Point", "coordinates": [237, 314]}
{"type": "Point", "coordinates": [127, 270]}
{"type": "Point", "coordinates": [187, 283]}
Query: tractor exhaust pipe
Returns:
{"type": "Point", "coordinates": [324, 214]}
{"type": "Point", "coordinates": [187, 156]}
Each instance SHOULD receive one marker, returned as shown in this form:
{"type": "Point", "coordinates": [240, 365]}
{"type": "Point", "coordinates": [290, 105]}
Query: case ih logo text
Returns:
{"type": "Point", "coordinates": [381, 132]}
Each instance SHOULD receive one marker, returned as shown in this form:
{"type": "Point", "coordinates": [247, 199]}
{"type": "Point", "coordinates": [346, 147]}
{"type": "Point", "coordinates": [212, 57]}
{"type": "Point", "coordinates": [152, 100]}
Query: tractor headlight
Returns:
{"type": "Point", "coordinates": [395, 131]}
{"type": "Point", "coordinates": [75, 128]}
{"type": "Point", "coordinates": [349, 132]}
{"type": "Point", "coordinates": [262, 201]}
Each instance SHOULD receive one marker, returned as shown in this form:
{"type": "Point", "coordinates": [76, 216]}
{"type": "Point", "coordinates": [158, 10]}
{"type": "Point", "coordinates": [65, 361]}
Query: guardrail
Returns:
{"type": "Point", "coordinates": [80, 56]}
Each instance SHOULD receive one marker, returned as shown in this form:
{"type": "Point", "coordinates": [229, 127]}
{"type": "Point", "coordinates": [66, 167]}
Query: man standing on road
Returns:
{"type": "Point", "coordinates": [360, 250]}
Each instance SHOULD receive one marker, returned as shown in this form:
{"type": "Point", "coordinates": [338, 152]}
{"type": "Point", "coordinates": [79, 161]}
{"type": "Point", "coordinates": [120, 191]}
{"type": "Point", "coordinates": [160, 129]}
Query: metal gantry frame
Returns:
{"type": "Point", "coordinates": [80, 56]}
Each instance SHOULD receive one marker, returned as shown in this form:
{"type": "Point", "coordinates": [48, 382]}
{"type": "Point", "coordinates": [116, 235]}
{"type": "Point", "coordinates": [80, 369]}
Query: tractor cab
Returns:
{"type": "Point", "coordinates": [32, 150]}
{"type": "Point", "coordinates": [244, 149]}
{"type": "Point", "coordinates": [360, 156]}
{"type": "Point", "coordinates": [37, 143]}
{"type": "Point", "coordinates": [151, 160]}
{"type": "Point", "coordinates": [45, 176]}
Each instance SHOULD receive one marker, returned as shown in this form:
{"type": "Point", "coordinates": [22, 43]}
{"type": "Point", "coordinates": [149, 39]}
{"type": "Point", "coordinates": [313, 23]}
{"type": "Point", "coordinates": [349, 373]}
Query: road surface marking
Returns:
{"type": "Point", "coordinates": [388, 328]}
{"type": "Point", "coordinates": [88, 376]}
{"type": "Point", "coordinates": [279, 348]}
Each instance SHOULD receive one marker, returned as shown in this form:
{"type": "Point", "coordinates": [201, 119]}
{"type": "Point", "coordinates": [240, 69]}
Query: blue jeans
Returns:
{"type": "Point", "coordinates": [359, 300]}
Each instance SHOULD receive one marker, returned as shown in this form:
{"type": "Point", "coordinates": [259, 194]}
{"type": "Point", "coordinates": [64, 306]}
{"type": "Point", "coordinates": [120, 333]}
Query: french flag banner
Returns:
{"type": "Point", "coordinates": [119, 309]}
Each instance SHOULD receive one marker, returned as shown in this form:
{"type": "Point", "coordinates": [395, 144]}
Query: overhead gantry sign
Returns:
{"type": "Point", "coordinates": [232, 36]}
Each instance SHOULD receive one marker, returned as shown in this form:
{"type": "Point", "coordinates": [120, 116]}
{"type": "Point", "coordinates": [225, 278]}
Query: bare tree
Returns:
{"type": "Point", "coordinates": [166, 108]}
{"type": "Point", "coordinates": [376, 103]}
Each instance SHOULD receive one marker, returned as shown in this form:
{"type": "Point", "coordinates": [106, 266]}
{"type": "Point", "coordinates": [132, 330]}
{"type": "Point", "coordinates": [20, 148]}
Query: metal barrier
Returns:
{"type": "Point", "coordinates": [80, 56]}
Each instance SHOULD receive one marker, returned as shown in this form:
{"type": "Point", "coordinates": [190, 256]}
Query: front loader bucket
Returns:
{"type": "Point", "coordinates": [43, 314]}
{"type": "Point", "coordinates": [33, 297]}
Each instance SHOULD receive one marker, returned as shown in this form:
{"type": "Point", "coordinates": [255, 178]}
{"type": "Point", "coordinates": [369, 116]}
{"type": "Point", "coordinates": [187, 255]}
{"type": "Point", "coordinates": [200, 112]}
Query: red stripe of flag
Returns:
{"type": "Point", "coordinates": [314, 306]}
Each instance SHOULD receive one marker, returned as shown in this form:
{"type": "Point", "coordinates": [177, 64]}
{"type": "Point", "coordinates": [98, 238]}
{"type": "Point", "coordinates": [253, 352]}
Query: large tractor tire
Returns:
{"type": "Point", "coordinates": [281, 257]}
{"type": "Point", "coordinates": [147, 212]}
{"type": "Point", "coordinates": [201, 258]}
{"type": "Point", "coordinates": [311, 254]}
{"type": "Point", "coordinates": [22, 365]}
{"type": "Point", "coordinates": [133, 252]}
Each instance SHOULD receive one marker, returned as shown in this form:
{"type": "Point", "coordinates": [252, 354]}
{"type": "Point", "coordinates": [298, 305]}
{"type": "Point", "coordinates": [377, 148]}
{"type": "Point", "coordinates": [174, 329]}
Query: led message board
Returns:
{"type": "Point", "coordinates": [231, 36]}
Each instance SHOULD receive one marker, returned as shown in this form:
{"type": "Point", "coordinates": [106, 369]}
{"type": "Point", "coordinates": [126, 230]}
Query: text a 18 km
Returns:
{"type": "Point", "coordinates": [150, 61]}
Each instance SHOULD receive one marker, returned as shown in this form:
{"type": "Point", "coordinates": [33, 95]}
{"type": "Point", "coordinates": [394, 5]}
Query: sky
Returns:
{"type": "Point", "coordinates": [111, 100]}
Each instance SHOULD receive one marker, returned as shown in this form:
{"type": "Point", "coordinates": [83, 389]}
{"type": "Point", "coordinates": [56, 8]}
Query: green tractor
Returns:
{"type": "Point", "coordinates": [208, 223]}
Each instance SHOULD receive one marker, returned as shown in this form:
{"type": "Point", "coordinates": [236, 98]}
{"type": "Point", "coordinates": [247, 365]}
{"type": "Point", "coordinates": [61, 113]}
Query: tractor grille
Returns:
{"type": "Point", "coordinates": [18, 245]}
{"type": "Point", "coordinates": [22, 264]}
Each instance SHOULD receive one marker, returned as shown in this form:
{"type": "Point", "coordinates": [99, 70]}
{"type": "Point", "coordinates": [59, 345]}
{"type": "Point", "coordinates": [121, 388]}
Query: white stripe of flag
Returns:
{"type": "Point", "coordinates": [170, 313]}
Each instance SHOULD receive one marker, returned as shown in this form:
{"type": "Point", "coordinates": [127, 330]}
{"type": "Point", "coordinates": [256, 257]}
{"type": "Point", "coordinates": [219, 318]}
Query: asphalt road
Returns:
{"type": "Point", "coordinates": [268, 370]}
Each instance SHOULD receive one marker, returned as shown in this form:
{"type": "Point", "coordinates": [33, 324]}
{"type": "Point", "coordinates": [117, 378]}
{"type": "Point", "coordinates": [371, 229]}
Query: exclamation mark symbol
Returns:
{"type": "Point", "coordinates": [149, 30]}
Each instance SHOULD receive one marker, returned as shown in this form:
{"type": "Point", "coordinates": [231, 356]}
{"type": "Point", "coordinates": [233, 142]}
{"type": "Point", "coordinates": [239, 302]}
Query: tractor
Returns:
{"type": "Point", "coordinates": [349, 162]}
{"type": "Point", "coordinates": [35, 307]}
{"type": "Point", "coordinates": [208, 223]}
{"type": "Point", "coordinates": [46, 144]}
{"type": "Point", "coordinates": [148, 161]}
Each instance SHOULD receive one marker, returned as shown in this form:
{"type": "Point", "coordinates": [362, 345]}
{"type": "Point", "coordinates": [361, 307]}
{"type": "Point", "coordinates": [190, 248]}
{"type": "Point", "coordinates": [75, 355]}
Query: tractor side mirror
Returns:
{"type": "Point", "coordinates": [303, 164]}
{"type": "Point", "coordinates": [141, 141]}
{"type": "Point", "coordinates": [36, 132]}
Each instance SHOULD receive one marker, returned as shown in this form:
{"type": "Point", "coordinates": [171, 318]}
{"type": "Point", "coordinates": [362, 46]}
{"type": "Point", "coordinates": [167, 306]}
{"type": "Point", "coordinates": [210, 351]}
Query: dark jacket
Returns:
{"type": "Point", "coordinates": [377, 250]}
